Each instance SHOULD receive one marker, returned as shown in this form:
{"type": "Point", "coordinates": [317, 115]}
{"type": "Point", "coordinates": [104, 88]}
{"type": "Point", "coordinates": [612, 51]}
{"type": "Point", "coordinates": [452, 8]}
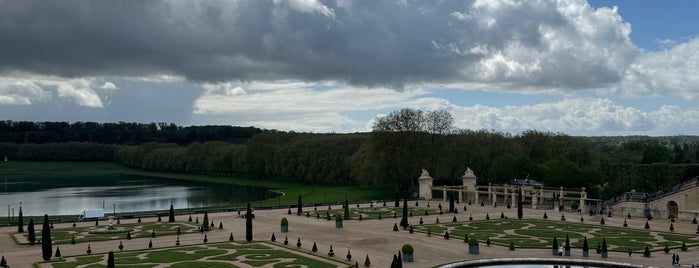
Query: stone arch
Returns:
{"type": "Point", "coordinates": [672, 209]}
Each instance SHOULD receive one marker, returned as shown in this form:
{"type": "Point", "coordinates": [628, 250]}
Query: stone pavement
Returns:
{"type": "Point", "coordinates": [372, 237]}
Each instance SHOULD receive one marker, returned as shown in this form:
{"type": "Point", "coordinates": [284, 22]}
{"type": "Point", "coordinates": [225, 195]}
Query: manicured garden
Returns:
{"type": "Point", "coordinates": [540, 233]}
{"type": "Point", "coordinates": [230, 254]}
{"type": "Point", "coordinates": [125, 231]}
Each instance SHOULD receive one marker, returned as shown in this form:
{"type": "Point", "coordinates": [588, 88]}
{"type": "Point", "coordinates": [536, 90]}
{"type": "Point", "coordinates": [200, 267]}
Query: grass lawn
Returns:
{"type": "Point", "coordinates": [540, 234]}
{"type": "Point", "coordinates": [231, 254]}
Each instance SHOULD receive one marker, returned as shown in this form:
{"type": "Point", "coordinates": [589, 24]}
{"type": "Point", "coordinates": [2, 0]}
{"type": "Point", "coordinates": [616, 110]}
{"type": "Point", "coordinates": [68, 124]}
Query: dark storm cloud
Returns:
{"type": "Point", "coordinates": [562, 44]}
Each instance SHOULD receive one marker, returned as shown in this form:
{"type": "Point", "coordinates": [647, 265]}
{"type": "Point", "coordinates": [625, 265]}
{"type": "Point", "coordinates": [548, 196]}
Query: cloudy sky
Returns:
{"type": "Point", "coordinates": [603, 67]}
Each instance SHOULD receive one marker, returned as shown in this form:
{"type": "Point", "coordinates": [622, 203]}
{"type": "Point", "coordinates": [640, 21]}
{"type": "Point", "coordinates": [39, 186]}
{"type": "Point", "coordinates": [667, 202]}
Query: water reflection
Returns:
{"type": "Point", "coordinates": [64, 195]}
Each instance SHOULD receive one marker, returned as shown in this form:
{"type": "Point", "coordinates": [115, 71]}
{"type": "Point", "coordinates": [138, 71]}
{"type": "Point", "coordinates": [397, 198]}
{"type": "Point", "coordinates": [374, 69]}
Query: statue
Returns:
{"type": "Point", "coordinates": [424, 173]}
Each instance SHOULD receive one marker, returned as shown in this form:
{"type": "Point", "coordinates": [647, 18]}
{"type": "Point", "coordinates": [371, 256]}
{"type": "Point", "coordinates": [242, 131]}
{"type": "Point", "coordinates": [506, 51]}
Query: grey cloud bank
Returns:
{"type": "Point", "coordinates": [547, 44]}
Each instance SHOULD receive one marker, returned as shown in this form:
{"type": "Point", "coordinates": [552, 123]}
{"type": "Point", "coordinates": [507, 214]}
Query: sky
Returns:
{"type": "Point", "coordinates": [590, 68]}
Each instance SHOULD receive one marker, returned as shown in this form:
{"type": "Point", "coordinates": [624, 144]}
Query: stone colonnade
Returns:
{"type": "Point", "coordinates": [470, 192]}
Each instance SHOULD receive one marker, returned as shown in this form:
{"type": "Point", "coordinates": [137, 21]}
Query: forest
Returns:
{"type": "Point", "coordinates": [390, 157]}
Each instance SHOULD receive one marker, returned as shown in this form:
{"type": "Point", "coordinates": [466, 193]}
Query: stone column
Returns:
{"type": "Point", "coordinates": [495, 197]}
{"type": "Point", "coordinates": [461, 194]}
{"type": "Point", "coordinates": [490, 192]}
{"type": "Point", "coordinates": [534, 199]}
{"type": "Point", "coordinates": [560, 197]}
{"type": "Point", "coordinates": [444, 194]}
{"type": "Point", "coordinates": [425, 184]}
{"type": "Point", "coordinates": [513, 198]}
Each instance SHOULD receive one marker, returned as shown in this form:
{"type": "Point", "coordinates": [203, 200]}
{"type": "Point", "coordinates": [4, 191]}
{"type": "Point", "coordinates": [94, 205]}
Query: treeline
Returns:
{"type": "Point", "coordinates": [119, 133]}
{"type": "Point", "coordinates": [316, 158]}
{"type": "Point", "coordinates": [393, 154]}
{"type": "Point", "coordinates": [69, 151]}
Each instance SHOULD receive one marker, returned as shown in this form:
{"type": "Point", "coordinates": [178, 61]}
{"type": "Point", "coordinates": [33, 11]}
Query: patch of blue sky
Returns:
{"type": "Point", "coordinates": [657, 25]}
{"type": "Point", "coordinates": [467, 98]}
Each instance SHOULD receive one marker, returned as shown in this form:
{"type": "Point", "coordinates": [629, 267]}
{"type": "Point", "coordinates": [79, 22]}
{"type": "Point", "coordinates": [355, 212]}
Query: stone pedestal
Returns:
{"type": "Point", "coordinates": [425, 184]}
{"type": "Point", "coordinates": [469, 185]}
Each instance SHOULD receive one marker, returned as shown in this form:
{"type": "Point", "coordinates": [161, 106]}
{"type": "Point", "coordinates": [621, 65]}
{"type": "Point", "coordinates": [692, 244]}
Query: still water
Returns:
{"type": "Point", "coordinates": [63, 195]}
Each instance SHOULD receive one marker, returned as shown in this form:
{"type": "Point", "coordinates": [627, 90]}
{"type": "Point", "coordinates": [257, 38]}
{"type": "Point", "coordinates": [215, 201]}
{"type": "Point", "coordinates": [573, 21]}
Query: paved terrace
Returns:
{"type": "Point", "coordinates": [372, 237]}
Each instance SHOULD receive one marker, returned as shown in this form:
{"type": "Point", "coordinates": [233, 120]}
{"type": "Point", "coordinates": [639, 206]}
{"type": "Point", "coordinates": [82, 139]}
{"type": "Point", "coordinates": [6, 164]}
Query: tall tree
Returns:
{"type": "Point", "coordinates": [520, 212]}
{"type": "Point", "coordinates": [299, 206]}
{"type": "Point", "coordinates": [404, 217]}
{"type": "Point", "coordinates": [171, 215]}
{"type": "Point", "coordinates": [110, 260]}
{"type": "Point", "coordinates": [20, 221]}
{"type": "Point", "coordinates": [31, 236]}
{"type": "Point", "coordinates": [205, 223]}
{"type": "Point", "coordinates": [248, 224]}
{"type": "Point", "coordinates": [46, 245]}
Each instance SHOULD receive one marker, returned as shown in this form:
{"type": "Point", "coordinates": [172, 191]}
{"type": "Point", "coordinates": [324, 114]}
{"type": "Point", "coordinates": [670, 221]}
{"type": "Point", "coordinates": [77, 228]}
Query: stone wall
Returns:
{"type": "Point", "coordinates": [636, 209]}
{"type": "Point", "coordinates": [687, 204]}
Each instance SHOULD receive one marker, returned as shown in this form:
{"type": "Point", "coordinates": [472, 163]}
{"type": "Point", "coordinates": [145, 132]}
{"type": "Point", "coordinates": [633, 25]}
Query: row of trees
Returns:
{"type": "Point", "coordinates": [400, 145]}
{"type": "Point", "coordinates": [119, 133]}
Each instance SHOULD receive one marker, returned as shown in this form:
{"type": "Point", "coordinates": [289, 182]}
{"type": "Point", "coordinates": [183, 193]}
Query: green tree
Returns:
{"type": "Point", "coordinates": [110, 260]}
{"type": "Point", "coordinates": [299, 207]}
{"type": "Point", "coordinates": [520, 212]}
{"type": "Point", "coordinates": [248, 223]}
{"type": "Point", "coordinates": [404, 216]}
{"type": "Point", "coordinates": [46, 245]}
{"type": "Point", "coordinates": [20, 221]}
{"type": "Point", "coordinates": [171, 214]}
{"type": "Point", "coordinates": [31, 236]}
{"type": "Point", "coordinates": [205, 223]}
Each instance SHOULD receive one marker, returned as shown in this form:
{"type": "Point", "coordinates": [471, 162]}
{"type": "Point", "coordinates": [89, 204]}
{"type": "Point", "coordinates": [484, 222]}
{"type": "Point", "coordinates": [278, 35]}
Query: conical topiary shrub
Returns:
{"type": "Point", "coordinates": [646, 252]}
{"type": "Point", "coordinates": [647, 226]}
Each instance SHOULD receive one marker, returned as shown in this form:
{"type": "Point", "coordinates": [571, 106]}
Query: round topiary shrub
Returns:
{"type": "Point", "coordinates": [407, 248]}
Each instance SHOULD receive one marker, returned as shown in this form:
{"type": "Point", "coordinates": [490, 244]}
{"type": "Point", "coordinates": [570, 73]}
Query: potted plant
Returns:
{"type": "Point", "coordinates": [285, 225]}
{"type": "Point", "coordinates": [473, 246]}
{"type": "Point", "coordinates": [338, 221]}
{"type": "Point", "coordinates": [407, 251]}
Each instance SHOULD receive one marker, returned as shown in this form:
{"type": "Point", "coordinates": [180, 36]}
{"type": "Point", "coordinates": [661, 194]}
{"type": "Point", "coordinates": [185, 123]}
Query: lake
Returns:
{"type": "Point", "coordinates": [70, 195]}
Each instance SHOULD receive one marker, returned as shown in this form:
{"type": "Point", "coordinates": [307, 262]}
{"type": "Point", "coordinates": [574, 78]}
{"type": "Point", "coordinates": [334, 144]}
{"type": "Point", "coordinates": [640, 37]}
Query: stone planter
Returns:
{"type": "Point", "coordinates": [285, 228]}
{"type": "Point", "coordinates": [586, 254]}
{"type": "Point", "coordinates": [473, 250]}
{"type": "Point", "coordinates": [407, 257]}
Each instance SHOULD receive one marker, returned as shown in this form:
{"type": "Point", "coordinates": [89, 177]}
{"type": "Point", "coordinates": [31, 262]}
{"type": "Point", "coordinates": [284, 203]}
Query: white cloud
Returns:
{"type": "Point", "coordinates": [21, 92]}
{"type": "Point", "coordinates": [580, 116]}
{"type": "Point", "coordinates": [108, 86]}
{"type": "Point", "coordinates": [305, 106]}
{"type": "Point", "coordinates": [309, 6]}
{"type": "Point", "coordinates": [79, 90]}
{"type": "Point", "coordinates": [19, 88]}
{"type": "Point", "coordinates": [226, 89]}
{"type": "Point", "coordinates": [674, 71]}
